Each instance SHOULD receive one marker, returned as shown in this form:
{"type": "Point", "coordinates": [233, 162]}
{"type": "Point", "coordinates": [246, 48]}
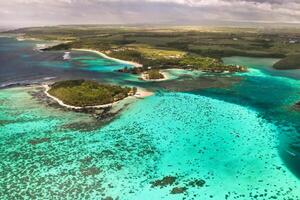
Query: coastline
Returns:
{"type": "Point", "coordinates": [110, 58]}
{"type": "Point", "coordinates": [135, 64]}
{"type": "Point", "coordinates": [21, 38]}
{"type": "Point", "coordinates": [140, 94]}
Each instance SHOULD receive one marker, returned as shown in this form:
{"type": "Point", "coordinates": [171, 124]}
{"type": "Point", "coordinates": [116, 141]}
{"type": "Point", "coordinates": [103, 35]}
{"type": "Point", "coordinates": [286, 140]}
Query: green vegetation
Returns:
{"type": "Point", "coordinates": [88, 93]}
{"type": "Point", "coordinates": [155, 53]}
{"type": "Point", "coordinates": [62, 46]}
{"type": "Point", "coordinates": [174, 47]}
{"type": "Point", "coordinates": [127, 54]}
{"type": "Point", "coordinates": [208, 64]}
{"type": "Point", "coordinates": [196, 62]}
{"type": "Point", "coordinates": [154, 74]}
{"type": "Point", "coordinates": [290, 62]}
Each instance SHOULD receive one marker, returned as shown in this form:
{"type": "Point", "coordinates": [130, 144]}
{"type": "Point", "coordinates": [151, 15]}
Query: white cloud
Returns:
{"type": "Point", "coordinates": [38, 12]}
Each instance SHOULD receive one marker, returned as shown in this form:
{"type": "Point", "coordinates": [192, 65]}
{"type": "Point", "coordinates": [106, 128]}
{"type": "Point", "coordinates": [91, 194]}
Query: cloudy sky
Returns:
{"type": "Point", "coordinates": [51, 12]}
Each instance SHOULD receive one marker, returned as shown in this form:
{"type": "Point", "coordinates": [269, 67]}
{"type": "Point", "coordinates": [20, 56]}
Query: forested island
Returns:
{"type": "Point", "coordinates": [83, 93]}
{"type": "Point", "coordinates": [153, 74]}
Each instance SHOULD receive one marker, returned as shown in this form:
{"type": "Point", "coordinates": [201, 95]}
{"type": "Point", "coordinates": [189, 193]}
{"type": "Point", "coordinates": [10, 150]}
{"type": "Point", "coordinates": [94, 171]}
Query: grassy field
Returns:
{"type": "Point", "coordinates": [87, 93]}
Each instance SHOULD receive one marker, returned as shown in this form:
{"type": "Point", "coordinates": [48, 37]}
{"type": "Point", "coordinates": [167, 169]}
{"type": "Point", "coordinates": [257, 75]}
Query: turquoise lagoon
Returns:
{"type": "Point", "coordinates": [242, 140]}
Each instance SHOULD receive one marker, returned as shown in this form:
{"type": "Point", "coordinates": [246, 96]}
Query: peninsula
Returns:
{"type": "Point", "coordinates": [288, 63]}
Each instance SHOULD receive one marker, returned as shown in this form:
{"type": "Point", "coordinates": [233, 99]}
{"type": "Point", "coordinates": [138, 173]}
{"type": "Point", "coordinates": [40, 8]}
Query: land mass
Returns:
{"type": "Point", "coordinates": [196, 48]}
{"type": "Point", "coordinates": [290, 62]}
{"type": "Point", "coordinates": [86, 93]}
{"type": "Point", "coordinates": [164, 48]}
{"type": "Point", "coordinates": [213, 42]}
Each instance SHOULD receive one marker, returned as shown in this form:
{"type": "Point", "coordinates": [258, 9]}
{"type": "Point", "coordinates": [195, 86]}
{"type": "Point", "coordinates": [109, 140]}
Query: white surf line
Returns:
{"type": "Point", "coordinates": [110, 58]}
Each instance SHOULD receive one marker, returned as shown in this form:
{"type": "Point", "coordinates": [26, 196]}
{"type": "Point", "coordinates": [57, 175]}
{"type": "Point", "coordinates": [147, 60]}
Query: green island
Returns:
{"type": "Point", "coordinates": [82, 93]}
{"type": "Point", "coordinates": [153, 74]}
{"type": "Point", "coordinates": [290, 62]}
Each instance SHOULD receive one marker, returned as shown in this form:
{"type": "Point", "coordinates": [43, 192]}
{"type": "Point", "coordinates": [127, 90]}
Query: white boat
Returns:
{"type": "Point", "coordinates": [67, 56]}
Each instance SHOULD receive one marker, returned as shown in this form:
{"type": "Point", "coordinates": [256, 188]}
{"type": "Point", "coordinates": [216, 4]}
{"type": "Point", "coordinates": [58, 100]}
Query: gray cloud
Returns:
{"type": "Point", "coordinates": [44, 12]}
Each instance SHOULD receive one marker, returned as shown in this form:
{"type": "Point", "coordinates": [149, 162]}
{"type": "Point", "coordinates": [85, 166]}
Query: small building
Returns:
{"type": "Point", "coordinates": [293, 41]}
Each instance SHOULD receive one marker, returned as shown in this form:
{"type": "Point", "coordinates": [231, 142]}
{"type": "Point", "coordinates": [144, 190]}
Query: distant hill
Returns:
{"type": "Point", "coordinates": [6, 28]}
{"type": "Point", "coordinates": [290, 62]}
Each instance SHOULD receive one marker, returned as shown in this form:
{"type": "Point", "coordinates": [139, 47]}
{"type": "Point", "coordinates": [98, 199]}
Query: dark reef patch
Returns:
{"type": "Point", "coordinates": [86, 160]}
{"type": "Point", "coordinates": [297, 106]}
{"type": "Point", "coordinates": [180, 185]}
{"type": "Point", "coordinates": [197, 183]}
{"type": "Point", "coordinates": [38, 141]}
{"type": "Point", "coordinates": [90, 171]}
{"type": "Point", "coordinates": [4, 122]}
{"type": "Point", "coordinates": [203, 82]}
{"type": "Point", "coordinates": [178, 190]}
{"type": "Point", "coordinates": [83, 126]}
{"type": "Point", "coordinates": [107, 198]}
{"type": "Point", "coordinates": [166, 181]}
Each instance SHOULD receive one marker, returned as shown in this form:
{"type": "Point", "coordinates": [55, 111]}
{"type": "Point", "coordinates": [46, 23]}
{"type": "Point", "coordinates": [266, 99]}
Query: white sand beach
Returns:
{"type": "Point", "coordinates": [110, 58]}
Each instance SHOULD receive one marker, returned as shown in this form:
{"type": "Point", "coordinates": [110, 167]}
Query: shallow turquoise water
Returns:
{"type": "Point", "coordinates": [238, 139]}
{"type": "Point", "coordinates": [97, 63]}
{"type": "Point", "coordinates": [188, 136]}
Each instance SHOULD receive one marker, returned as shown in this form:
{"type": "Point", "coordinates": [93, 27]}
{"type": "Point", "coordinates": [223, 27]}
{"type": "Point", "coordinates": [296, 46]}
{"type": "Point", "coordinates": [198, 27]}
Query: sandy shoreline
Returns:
{"type": "Point", "coordinates": [166, 77]}
{"type": "Point", "coordinates": [110, 58]}
{"type": "Point", "coordinates": [141, 93]}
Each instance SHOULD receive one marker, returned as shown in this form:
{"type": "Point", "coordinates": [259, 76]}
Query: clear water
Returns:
{"type": "Point", "coordinates": [243, 140]}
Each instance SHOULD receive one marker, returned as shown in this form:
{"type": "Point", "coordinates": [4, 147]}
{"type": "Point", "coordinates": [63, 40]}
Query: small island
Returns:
{"type": "Point", "coordinates": [87, 93]}
{"type": "Point", "coordinates": [153, 75]}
